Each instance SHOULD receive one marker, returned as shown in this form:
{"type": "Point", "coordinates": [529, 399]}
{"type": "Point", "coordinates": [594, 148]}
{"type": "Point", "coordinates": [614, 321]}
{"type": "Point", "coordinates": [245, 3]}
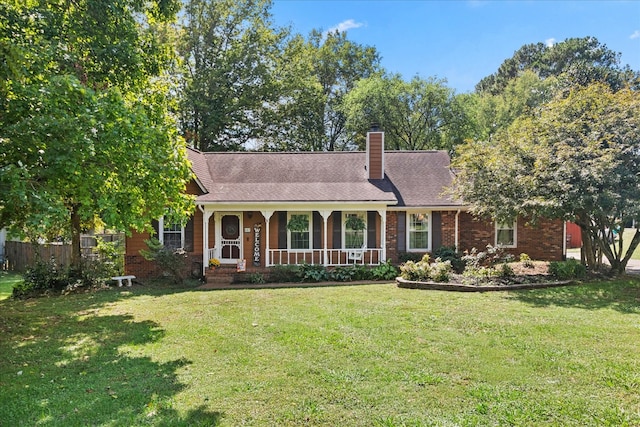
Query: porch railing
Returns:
{"type": "Point", "coordinates": [335, 257]}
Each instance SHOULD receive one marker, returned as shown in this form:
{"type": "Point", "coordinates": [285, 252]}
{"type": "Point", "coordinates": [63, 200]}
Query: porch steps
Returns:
{"type": "Point", "coordinates": [222, 275]}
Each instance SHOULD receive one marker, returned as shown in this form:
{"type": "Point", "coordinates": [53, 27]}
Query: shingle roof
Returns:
{"type": "Point", "coordinates": [413, 178]}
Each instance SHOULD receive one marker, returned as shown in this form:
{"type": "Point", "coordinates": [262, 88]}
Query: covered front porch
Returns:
{"type": "Point", "coordinates": [253, 237]}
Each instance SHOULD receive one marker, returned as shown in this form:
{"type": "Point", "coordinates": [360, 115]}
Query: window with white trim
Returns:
{"type": "Point", "coordinates": [418, 228]}
{"type": "Point", "coordinates": [300, 236]}
{"type": "Point", "coordinates": [506, 234]}
{"type": "Point", "coordinates": [354, 238]}
{"type": "Point", "coordinates": [172, 235]}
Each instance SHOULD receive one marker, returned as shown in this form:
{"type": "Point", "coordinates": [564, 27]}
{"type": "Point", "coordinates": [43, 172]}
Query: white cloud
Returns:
{"type": "Point", "coordinates": [635, 35]}
{"type": "Point", "coordinates": [345, 25]}
{"type": "Point", "coordinates": [550, 42]}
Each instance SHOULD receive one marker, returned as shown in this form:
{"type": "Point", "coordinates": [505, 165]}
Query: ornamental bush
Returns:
{"type": "Point", "coordinates": [423, 270]}
{"type": "Point", "coordinates": [567, 270]}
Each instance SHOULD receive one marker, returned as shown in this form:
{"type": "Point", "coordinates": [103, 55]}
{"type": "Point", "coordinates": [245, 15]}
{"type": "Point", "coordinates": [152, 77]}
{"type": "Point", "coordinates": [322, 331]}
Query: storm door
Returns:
{"type": "Point", "coordinates": [231, 243]}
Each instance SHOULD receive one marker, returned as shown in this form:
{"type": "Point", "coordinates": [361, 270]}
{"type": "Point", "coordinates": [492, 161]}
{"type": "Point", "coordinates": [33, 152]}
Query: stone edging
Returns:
{"type": "Point", "coordinates": [458, 287]}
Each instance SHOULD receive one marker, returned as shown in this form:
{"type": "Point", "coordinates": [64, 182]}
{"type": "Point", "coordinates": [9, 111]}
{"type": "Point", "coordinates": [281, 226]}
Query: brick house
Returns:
{"type": "Point", "coordinates": [247, 203]}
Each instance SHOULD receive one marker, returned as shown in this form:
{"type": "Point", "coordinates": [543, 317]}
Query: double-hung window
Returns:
{"type": "Point", "coordinates": [418, 231]}
{"type": "Point", "coordinates": [300, 231]}
{"type": "Point", "coordinates": [354, 229]}
{"type": "Point", "coordinates": [506, 234]}
{"type": "Point", "coordinates": [174, 235]}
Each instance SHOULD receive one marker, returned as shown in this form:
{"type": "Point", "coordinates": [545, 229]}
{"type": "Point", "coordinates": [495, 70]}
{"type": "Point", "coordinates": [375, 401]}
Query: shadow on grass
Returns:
{"type": "Point", "coordinates": [622, 295]}
{"type": "Point", "coordinates": [63, 363]}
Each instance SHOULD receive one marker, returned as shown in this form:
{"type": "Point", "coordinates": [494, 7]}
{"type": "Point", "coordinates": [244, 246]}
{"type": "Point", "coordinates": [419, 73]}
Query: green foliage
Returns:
{"type": "Point", "coordinates": [284, 273]}
{"type": "Point", "coordinates": [85, 131]}
{"type": "Point", "coordinates": [526, 260]}
{"type": "Point", "coordinates": [422, 271]}
{"type": "Point", "coordinates": [43, 276]}
{"type": "Point", "coordinates": [490, 257]}
{"type": "Point", "coordinates": [449, 253]}
{"type": "Point", "coordinates": [409, 256]}
{"type": "Point", "coordinates": [172, 263]}
{"type": "Point", "coordinates": [416, 115]}
{"type": "Point", "coordinates": [576, 158]}
{"type": "Point", "coordinates": [257, 278]}
{"type": "Point", "coordinates": [313, 273]}
{"type": "Point", "coordinates": [228, 49]}
{"type": "Point", "coordinates": [579, 61]}
{"type": "Point", "coordinates": [567, 270]}
{"type": "Point", "coordinates": [355, 222]}
{"type": "Point", "coordinates": [111, 254]}
{"type": "Point", "coordinates": [385, 271]}
{"type": "Point", "coordinates": [298, 223]}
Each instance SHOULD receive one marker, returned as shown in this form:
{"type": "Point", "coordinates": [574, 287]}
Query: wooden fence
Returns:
{"type": "Point", "coordinates": [21, 255]}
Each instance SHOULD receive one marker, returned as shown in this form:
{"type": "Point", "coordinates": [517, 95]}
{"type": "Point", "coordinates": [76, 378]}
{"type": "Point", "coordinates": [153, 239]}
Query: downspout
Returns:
{"type": "Point", "coordinates": [205, 240]}
{"type": "Point", "coordinates": [456, 231]}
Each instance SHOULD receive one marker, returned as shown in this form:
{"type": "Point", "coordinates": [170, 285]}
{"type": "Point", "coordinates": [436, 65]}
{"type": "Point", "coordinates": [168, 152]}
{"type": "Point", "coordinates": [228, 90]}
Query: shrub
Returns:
{"type": "Point", "coordinates": [567, 270]}
{"type": "Point", "coordinates": [403, 257]}
{"type": "Point", "coordinates": [386, 271]}
{"type": "Point", "coordinates": [490, 257]}
{"type": "Point", "coordinates": [313, 273]}
{"type": "Point", "coordinates": [42, 277]}
{"type": "Point", "coordinates": [449, 253]}
{"type": "Point", "coordinates": [284, 273]}
{"type": "Point", "coordinates": [526, 260]}
{"type": "Point", "coordinates": [256, 278]}
{"type": "Point", "coordinates": [172, 263]}
{"type": "Point", "coordinates": [111, 256]}
{"type": "Point", "coordinates": [439, 271]}
{"type": "Point", "coordinates": [505, 271]}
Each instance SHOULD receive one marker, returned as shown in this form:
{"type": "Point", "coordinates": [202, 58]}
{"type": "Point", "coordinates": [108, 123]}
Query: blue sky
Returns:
{"type": "Point", "coordinates": [463, 41]}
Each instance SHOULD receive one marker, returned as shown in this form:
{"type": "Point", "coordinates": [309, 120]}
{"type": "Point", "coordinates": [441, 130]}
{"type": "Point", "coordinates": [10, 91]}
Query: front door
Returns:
{"type": "Point", "coordinates": [231, 244]}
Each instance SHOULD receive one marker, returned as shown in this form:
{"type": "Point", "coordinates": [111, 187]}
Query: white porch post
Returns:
{"type": "Point", "coordinates": [383, 234]}
{"type": "Point", "coordinates": [325, 218]}
{"type": "Point", "coordinates": [206, 215]}
{"type": "Point", "coordinates": [267, 217]}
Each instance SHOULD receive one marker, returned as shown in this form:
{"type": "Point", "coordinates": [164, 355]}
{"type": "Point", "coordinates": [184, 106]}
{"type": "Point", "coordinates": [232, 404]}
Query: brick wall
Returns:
{"type": "Point", "coordinates": [542, 241]}
{"type": "Point", "coordinates": [392, 236]}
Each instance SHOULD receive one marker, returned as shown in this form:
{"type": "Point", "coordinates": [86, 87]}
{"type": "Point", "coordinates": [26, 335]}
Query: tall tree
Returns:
{"type": "Point", "coordinates": [84, 129]}
{"type": "Point", "coordinates": [577, 158]}
{"type": "Point", "coordinates": [314, 76]}
{"type": "Point", "coordinates": [416, 115]}
{"type": "Point", "coordinates": [580, 60]}
{"type": "Point", "coordinates": [489, 114]}
{"type": "Point", "coordinates": [229, 50]}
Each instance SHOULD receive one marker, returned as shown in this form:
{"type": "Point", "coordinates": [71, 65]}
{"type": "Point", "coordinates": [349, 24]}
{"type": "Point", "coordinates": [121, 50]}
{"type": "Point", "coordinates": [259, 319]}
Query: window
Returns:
{"type": "Point", "coordinates": [418, 231]}
{"type": "Point", "coordinates": [354, 229]}
{"type": "Point", "coordinates": [299, 226]}
{"type": "Point", "coordinates": [506, 234]}
{"type": "Point", "coordinates": [172, 236]}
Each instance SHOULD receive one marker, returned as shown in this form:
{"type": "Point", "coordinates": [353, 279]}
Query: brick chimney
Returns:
{"type": "Point", "coordinates": [375, 152]}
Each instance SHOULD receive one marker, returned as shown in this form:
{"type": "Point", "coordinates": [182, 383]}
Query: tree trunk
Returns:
{"type": "Point", "coordinates": [588, 252]}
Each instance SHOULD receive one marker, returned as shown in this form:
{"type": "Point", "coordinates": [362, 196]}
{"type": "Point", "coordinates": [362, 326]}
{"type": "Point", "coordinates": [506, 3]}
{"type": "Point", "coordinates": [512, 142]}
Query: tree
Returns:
{"type": "Point", "coordinates": [577, 158]}
{"type": "Point", "coordinates": [229, 50]}
{"type": "Point", "coordinates": [488, 114]}
{"type": "Point", "coordinates": [416, 115]}
{"type": "Point", "coordinates": [85, 132]}
{"type": "Point", "coordinates": [315, 74]}
{"type": "Point", "coordinates": [581, 61]}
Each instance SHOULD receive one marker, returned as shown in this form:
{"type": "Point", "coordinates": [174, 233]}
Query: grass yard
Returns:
{"type": "Point", "coordinates": [7, 280]}
{"type": "Point", "coordinates": [372, 355]}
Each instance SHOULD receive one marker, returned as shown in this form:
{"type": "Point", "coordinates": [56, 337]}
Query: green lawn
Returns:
{"type": "Point", "coordinates": [372, 355]}
{"type": "Point", "coordinates": [7, 280]}
{"type": "Point", "coordinates": [627, 236]}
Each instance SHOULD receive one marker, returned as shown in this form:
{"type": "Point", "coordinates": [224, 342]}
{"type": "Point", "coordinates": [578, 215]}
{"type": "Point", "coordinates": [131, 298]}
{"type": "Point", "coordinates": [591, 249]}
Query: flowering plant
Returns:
{"type": "Point", "coordinates": [214, 262]}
